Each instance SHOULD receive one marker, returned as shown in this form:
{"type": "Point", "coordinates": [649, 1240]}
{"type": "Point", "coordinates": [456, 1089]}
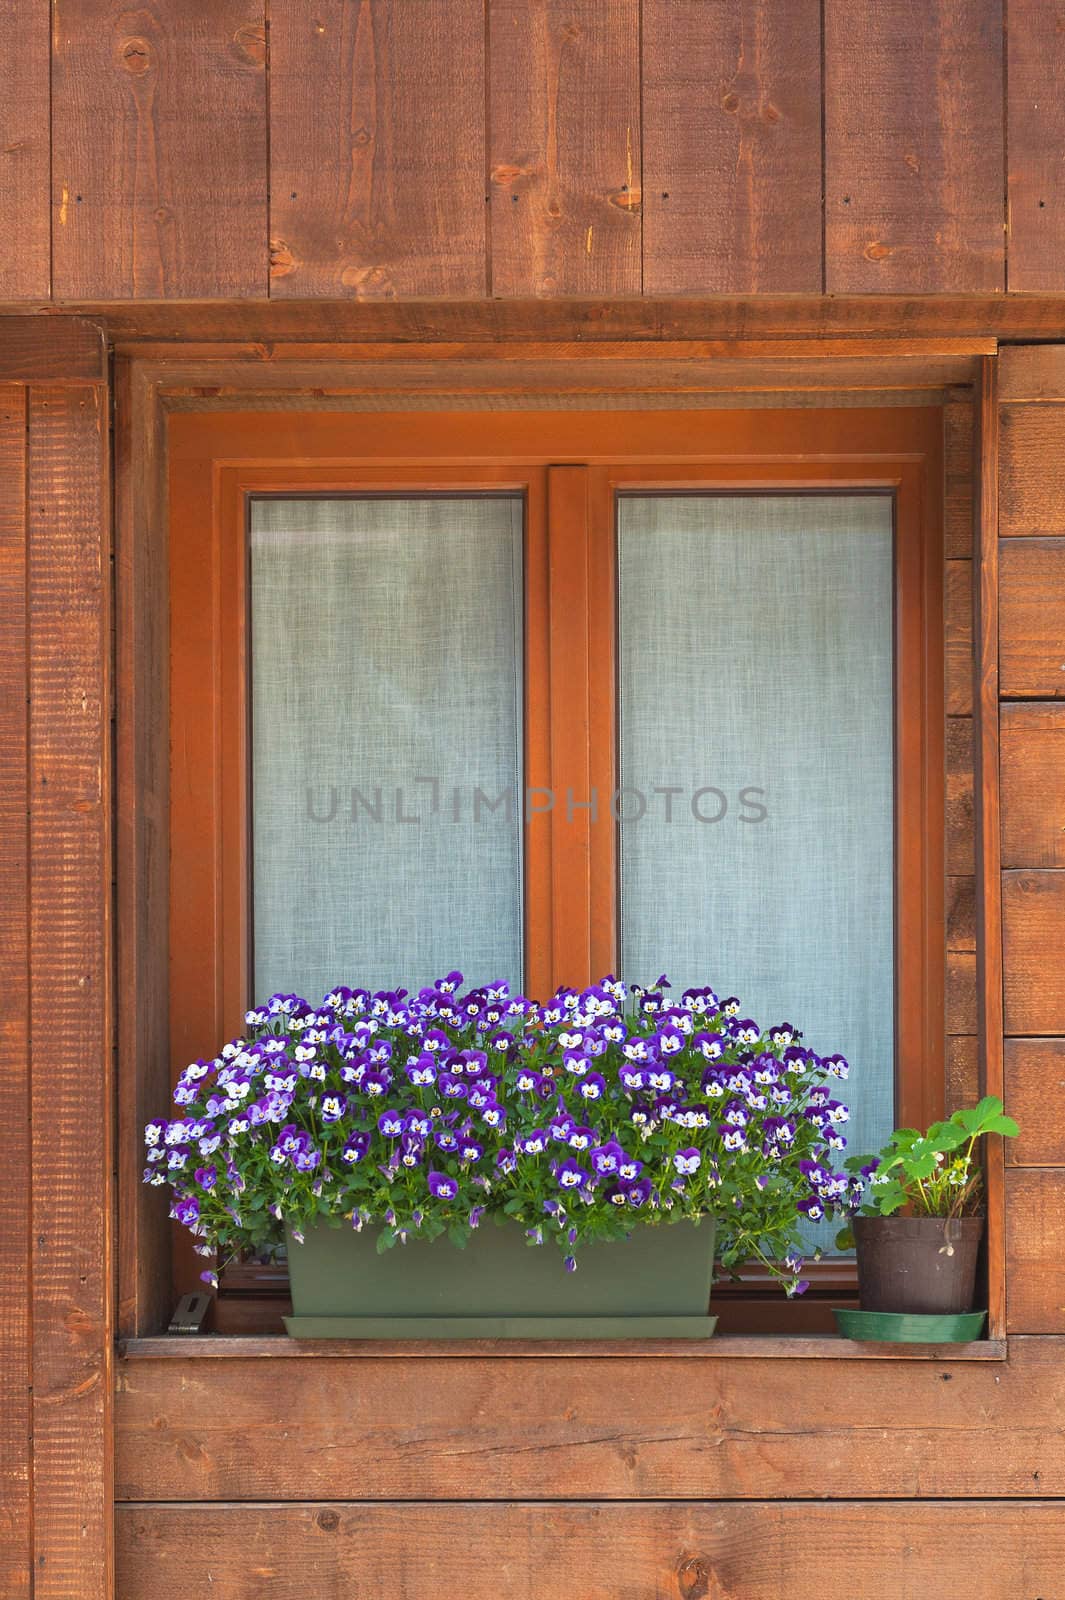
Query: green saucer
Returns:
{"type": "Point", "coordinates": [901, 1327]}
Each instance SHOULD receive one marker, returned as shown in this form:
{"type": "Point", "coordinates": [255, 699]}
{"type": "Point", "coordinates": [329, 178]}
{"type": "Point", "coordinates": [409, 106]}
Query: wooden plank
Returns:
{"type": "Point", "coordinates": [1031, 371]}
{"type": "Point", "coordinates": [1033, 469]}
{"type": "Point", "coordinates": [1035, 133]}
{"type": "Point", "coordinates": [989, 953]}
{"type": "Point", "coordinates": [913, 146]}
{"type": "Point", "coordinates": [961, 992]}
{"type": "Point", "coordinates": [960, 815]}
{"type": "Point", "coordinates": [958, 475]}
{"type": "Point", "coordinates": [52, 349]}
{"type": "Point", "coordinates": [25, 157]}
{"type": "Point", "coordinates": [571, 374]}
{"type": "Point", "coordinates": [142, 737]}
{"type": "Point", "coordinates": [1033, 785]}
{"type": "Point", "coordinates": [15, 1334]}
{"type": "Point", "coordinates": [707, 1426]}
{"type": "Point", "coordinates": [596, 1551]}
{"type": "Point", "coordinates": [963, 1072]}
{"type": "Point", "coordinates": [159, 150]}
{"type": "Point", "coordinates": [1035, 1091]}
{"type": "Point", "coordinates": [564, 146]}
{"type": "Point", "coordinates": [1032, 618]}
{"type": "Point", "coordinates": [958, 637]}
{"type": "Point", "coordinates": [69, 739]}
{"type": "Point", "coordinates": [732, 146]}
{"type": "Point", "coordinates": [1033, 941]}
{"type": "Point", "coordinates": [914, 318]}
{"type": "Point", "coordinates": [377, 154]}
{"type": "Point", "coordinates": [773, 1346]}
{"type": "Point", "coordinates": [961, 912]}
{"type": "Point", "coordinates": [1035, 1249]}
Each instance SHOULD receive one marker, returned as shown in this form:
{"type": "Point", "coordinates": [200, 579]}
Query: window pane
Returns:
{"type": "Point", "coordinates": [386, 686]}
{"type": "Point", "coordinates": [756, 655]}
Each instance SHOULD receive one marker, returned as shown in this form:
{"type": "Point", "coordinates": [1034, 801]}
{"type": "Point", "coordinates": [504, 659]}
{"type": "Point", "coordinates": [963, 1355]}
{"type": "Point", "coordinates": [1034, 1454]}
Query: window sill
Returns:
{"type": "Point", "coordinates": [183, 1347]}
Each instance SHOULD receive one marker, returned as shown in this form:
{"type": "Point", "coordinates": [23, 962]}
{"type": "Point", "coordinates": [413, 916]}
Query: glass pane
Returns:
{"type": "Point", "coordinates": [756, 680]}
{"type": "Point", "coordinates": [386, 723]}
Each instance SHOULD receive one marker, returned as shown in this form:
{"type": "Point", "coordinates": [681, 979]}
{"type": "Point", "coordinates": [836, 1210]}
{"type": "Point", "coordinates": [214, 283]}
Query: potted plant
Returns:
{"type": "Point", "coordinates": [617, 1135]}
{"type": "Point", "coordinates": [918, 1233]}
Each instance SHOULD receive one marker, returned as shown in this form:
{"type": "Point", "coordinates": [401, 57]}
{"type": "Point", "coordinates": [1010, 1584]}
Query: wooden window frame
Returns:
{"type": "Point", "coordinates": [570, 469]}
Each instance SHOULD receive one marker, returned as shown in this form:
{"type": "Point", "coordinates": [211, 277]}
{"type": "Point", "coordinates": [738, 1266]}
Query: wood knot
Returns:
{"type": "Point", "coordinates": [135, 56]}
{"type": "Point", "coordinates": [360, 137]}
{"type": "Point", "coordinates": [694, 1577]}
{"type": "Point", "coordinates": [875, 251]}
{"type": "Point", "coordinates": [770, 112]}
{"type": "Point", "coordinates": [249, 45]}
{"type": "Point", "coordinates": [625, 199]}
{"type": "Point", "coordinates": [570, 31]}
{"type": "Point", "coordinates": [328, 1521]}
{"type": "Point", "coordinates": [506, 173]}
{"type": "Point", "coordinates": [282, 260]}
{"type": "Point", "coordinates": [730, 101]}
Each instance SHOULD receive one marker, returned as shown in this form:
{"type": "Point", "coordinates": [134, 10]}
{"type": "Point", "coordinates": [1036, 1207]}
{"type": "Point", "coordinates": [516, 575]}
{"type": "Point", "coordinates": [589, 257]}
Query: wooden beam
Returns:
{"type": "Point", "coordinates": [584, 320]}
{"type": "Point", "coordinates": [66, 349]}
{"type": "Point", "coordinates": [988, 849]}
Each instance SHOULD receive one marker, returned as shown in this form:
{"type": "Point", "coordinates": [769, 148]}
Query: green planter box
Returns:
{"type": "Point", "coordinates": [654, 1284]}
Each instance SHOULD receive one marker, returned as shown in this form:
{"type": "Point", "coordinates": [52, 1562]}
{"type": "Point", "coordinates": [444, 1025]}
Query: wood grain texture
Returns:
{"type": "Point", "coordinates": [1035, 1089]}
{"type": "Point", "coordinates": [55, 348]}
{"type": "Point", "coordinates": [960, 815]}
{"type": "Point", "coordinates": [564, 146]}
{"type": "Point", "coordinates": [961, 992]}
{"type": "Point", "coordinates": [958, 475]}
{"type": "Point", "coordinates": [25, 151]}
{"type": "Point", "coordinates": [913, 146]}
{"type": "Point", "coordinates": [652, 1427]}
{"type": "Point", "coordinates": [1033, 785]}
{"type": "Point", "coordinates": [917, 320]}
{"type": "Point", "coordinates": [596, 1551]}
{"type": "Point", "coordinates": [732, 146]}
{"type": "Point", "coordinates": [1031, 371]}
{"type": "Point", "coordinates": [989, 954]}
{"type": "Point", "coordinates": [961, 912]}
{"type": "Point", "coordinates": [1033, 464]}
{"type": "Point", "coordinates": [142, 841]}
{"type": "Point", "coordinates": [963, 1072]}
{"type": "Point", "coordinates": [958, 627]}
{"type": "Point", "coordinates": [377, 148]}
{"type": "Point", "coordinates": [159, 150]}
{"type": "Point", "coordinates": [15, 1329]}
{"type": "Point", "coordinates": [1035, 132]}
{"type": "Point", "coordinates": [1033, 944]}
{"type": "Point", "coordinates": [1035, 1250]}
{"type": "Point", "coordinates": [69, 828]}
{"type": "Point", "coordinates": [1032, 618]}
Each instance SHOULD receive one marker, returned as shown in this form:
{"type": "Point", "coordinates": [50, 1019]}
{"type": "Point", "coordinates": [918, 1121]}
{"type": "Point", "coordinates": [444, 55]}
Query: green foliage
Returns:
{"type": "Point", "coordinates": [935, 1174]}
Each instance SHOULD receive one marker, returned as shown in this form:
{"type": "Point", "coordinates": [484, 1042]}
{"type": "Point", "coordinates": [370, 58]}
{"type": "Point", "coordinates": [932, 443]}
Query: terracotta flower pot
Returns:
{"type": "Point", "coordinates": [924, 1265]}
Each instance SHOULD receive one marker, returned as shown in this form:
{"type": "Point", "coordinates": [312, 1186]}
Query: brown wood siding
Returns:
{"type": "Point", "coordinates": [564, 147]}
{"type": "Point", "coordinates": [477, 148]}
{"type": "Point", "coordinates": [159, 177]}
{"type": "Point", "coordinates": [1032, 763]}
{"type": "Point", "coordinates": [55, 1045]}
{"type": "Point", "coordinates": [594, 1551]}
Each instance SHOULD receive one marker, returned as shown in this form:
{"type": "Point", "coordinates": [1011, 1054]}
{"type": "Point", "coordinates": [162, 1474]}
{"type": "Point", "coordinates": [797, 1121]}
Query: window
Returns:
{"type": "Point", "coordinates": [551, 694]}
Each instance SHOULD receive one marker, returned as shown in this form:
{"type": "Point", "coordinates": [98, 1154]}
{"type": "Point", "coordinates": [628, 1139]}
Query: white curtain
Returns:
{"type": "Point", "coordinates": [386, 685]}
{"type": "Point", "coordinates": [756, 656]}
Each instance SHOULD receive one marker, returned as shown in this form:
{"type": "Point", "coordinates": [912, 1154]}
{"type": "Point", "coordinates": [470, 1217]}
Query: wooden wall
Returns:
{"type": "Point", "coordinates": [1032, 737]}
{"type": "Point", "coordinates": [191, 149]}
{"type": "Point", "coordinates": [55, 981]}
